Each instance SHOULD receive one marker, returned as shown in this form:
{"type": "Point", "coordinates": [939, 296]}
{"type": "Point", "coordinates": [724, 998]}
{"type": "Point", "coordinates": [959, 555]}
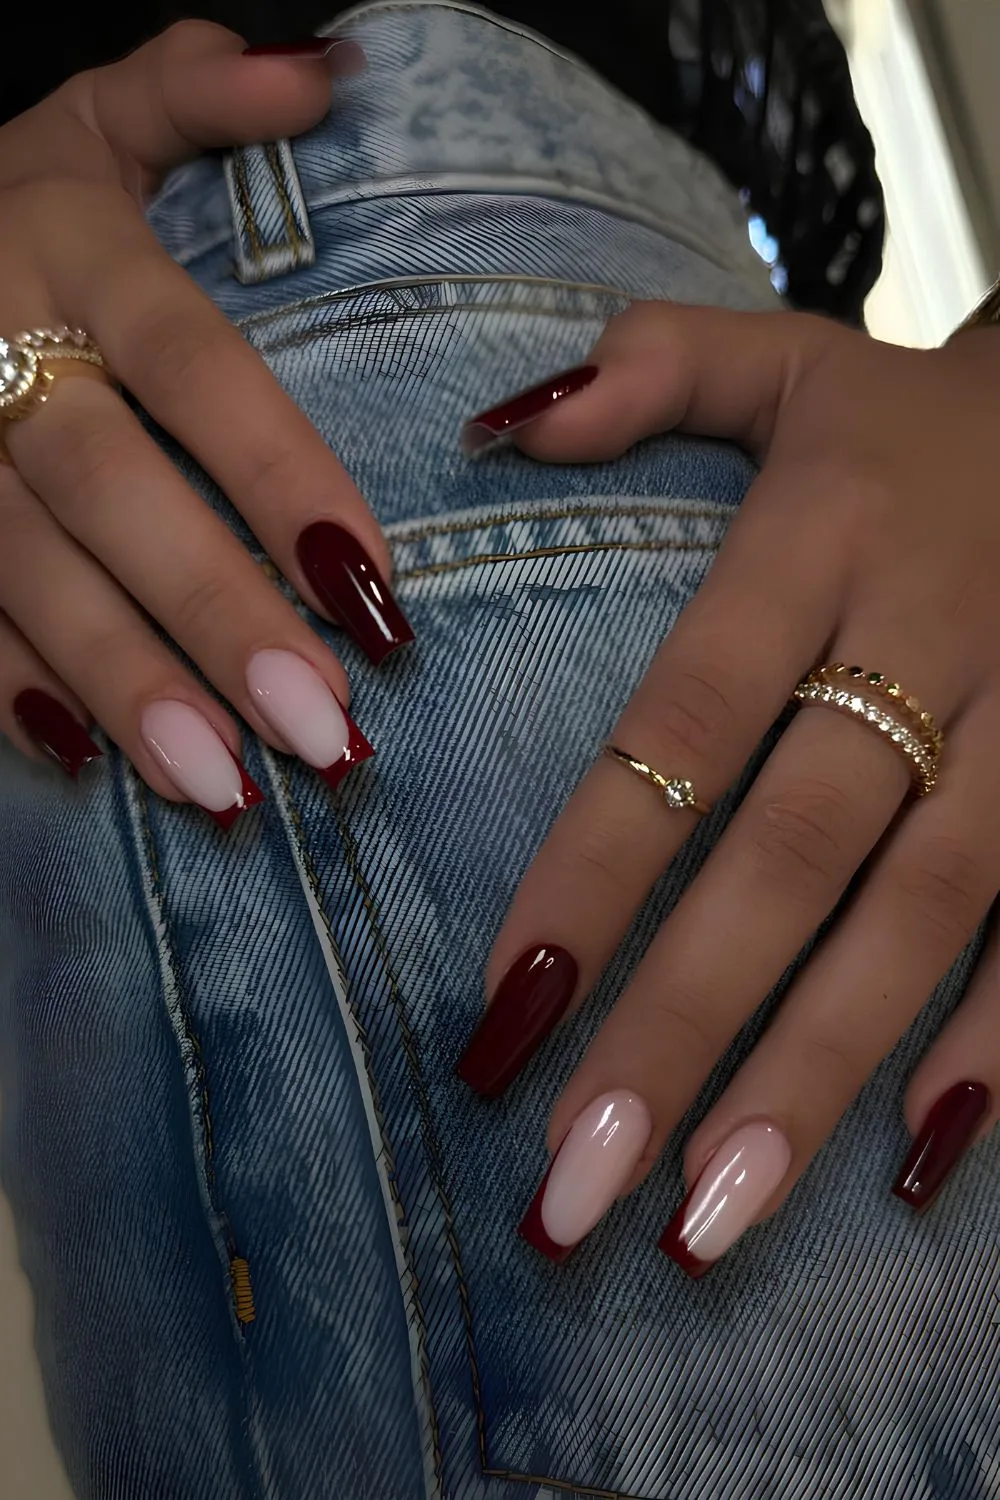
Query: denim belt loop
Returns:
{"type": "Point", "coordinates": [271, 228]}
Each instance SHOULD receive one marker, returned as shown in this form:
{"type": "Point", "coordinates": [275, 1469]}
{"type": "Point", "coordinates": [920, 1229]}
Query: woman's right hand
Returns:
{"type": "Point", "coordinates": [98, 531]}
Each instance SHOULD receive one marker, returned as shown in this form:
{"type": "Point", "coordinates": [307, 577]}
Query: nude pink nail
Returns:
{"type": "Point", "coordinates": [730, 1193]}
{"type": "Point", "coordinates": [197, 760]}
{"type": "Point", "coordinates": [298, 704]}
{"type": "Point", "coordinates": [588, 1172]}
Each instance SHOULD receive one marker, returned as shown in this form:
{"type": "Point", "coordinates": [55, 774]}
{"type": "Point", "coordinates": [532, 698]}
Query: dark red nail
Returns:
{"type": "Point", "coordinates": [947, 1133]}
{"type": "Point", "coordinates": [54, 730]}
{"type": "Point", "coordinates": [352, 590]}
{"type": "Point", "coordinates": [529, 1004]}
{"type": "Point", "coordinates": [485, 428]}
{"type": "Point", "coordinates": [250, 796]}
{"type": "Point", "coordinates": [672, 1243]}
{"type": "Point", "coordinates": [532, 1229]}
{"type": "Point", "coordinates": [345, 57]}
{"type": "Point", "coordinates": [358, 749]}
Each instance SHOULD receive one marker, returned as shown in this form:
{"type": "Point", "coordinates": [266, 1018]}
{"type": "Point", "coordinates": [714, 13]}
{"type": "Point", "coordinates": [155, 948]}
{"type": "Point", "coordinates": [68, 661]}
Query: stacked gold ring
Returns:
{"type": "Point", "coordinates": [32, 363]}
{"type": "Point", "coordinates": [898, 718]}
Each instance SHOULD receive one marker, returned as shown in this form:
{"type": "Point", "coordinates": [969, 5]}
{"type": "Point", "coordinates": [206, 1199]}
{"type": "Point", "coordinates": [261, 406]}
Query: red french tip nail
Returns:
{"type": "Point", "coordinates": [250, 796]}
{"type": "Point", "coordinates": [949, 1130]}
{"type": "Point", "coordinates": [488, 426]}
{"type": "Point", "coordinates": [532, 998]}
{"type": "Point", "coordinates": [55, 730]}
{"type": "Point", "coordinates": [351, 589]}
{"type": "Point", "coordinates": [532, 1230]}
{"type": "Point", "coordinates": [672, 1243]}
{"type": "Point", "coordinates": [358, 749]}
{"type": "Point", "coordinates": [345, 56]}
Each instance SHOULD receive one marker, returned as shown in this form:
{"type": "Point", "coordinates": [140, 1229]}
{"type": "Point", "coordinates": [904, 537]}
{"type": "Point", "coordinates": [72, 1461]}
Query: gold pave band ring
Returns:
{"type": "Point", "coordinates": [677, 793]}
{"type": "Point", "coordinates": [875, 700]}
{"type": "Point", "coordinates": [33, 362]}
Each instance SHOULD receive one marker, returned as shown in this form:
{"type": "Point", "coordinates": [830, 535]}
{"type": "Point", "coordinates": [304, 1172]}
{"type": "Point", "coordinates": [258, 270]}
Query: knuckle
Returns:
{"type": "Point", "coordinates": [682, 1017]}
{"type": "Point", "coordinates": [800, 836]}
{"type": "Point", "coordinates": [80, 457]}
{"type": "Point", "coordinates": [830, 1058]}
{"type": "Point", "coordinates": [945, 889]}
{"type": "Point", "coordinates": [199, 607]}
{"type": "Point", "coordinates": [176, 348]}
{"type": "Point", "coordinates": [696, 714]}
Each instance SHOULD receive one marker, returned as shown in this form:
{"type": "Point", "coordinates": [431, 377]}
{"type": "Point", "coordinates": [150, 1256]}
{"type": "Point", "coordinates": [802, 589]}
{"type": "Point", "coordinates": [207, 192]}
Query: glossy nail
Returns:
{"type": "Point", "coordinates": [351, 589]}
{"type": "Point", "coordinates": [345, 57]}
{"type": "Point", "coordinates": [54, 729]}
{"type": "Point", "coordinates": [197, 761]}
{"type": "Point", "coordinates": [729, 1195]}
{"type": "Point", "coordinates": [299, 705]}
{"type": "Point", "coordinates": [949, 1130]}
{"type": "Point", "coordinates": [489, 426]}
{"type": "Point", "coordinates": [587, 1173]}
{"type": "Point", "coordinates": [528, 1005]}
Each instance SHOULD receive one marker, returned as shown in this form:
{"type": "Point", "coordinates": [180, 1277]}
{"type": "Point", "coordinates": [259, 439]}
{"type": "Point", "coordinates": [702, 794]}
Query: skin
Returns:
{"type": "Point", "coordinates": [873, 536]}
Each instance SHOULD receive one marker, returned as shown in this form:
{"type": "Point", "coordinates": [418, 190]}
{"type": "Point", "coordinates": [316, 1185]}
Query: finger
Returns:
{"type": "Point", "coordinates": [661, 366]}
{"type": "Point", "coordinates": [954, 1096]}
{"type": "Point", "coordinates": [113, 489]}
{"type": "Point", "coordinates": [38, 713]}
{"type": "Point", "coordinates": [199, 378]}
{"type": "Point", "coordinates": [194, 87]}
{"type": "Point", "coordinates": [716, 686]}
{"type": "Point", "coordinates": [923, 900]}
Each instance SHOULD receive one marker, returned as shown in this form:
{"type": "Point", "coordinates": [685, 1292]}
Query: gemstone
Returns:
{"type": "Point", "coordinates": [913, 704]}
{"type": "Point", "coordinates": [875, 678]}
{"type": "Point", "coordinates": [855, 671]}
{"type": "Point", "coordinates": [17, 372]}
{"type": "Point", "coordinates": [678, 793]}
{"type": "Point", "coordinates": [893, 689]}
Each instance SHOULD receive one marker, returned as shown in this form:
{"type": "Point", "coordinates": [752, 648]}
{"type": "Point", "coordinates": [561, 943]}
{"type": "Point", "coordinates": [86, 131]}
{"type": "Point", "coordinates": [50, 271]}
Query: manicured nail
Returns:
{"type": "Point", "coordinates": [198, 761]}
{"type": "Point", "coordinates": [587, 1173]}
{"type": "Point", "coordinates": [296, 702]}
{"type": "Point", "coordinates": [727, 1198]}
{"type": "Point", "coordinates": [54, 729]}
{"type": "Point", "coordinates": [532, 998]}
{"type": "Point", "coordinates": [946, 1135]}
{"type": "Point", "coordinates": [352, 590]}
{"type": "Point", "coordinates": [489, 426]}
{"type": "Point", "coordinates": [345, 57]}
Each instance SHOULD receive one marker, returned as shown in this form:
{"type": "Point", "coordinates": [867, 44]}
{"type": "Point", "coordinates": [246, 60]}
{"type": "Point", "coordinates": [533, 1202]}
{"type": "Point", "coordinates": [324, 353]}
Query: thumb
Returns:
{"type": "Point", "coordinates": [663, 367]}
{"type": "Point", "coordinates": [194, 87]}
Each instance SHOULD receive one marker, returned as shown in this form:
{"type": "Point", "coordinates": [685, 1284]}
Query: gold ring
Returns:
{"type": "Point", "coordinates": [677, 793]}
{"type": "Point", "coordinates": [902, 723]}
{"type": "Point", "coordinates": [32, 363]}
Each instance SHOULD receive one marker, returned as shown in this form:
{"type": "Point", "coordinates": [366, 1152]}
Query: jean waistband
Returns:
{"type": "Point", "coordinates": [456, 100]}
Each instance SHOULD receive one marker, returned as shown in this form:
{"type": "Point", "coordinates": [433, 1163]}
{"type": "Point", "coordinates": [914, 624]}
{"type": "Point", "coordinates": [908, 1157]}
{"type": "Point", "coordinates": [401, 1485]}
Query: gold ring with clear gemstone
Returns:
{"type": "Point", "coordinates": [900, 725]}
{"type": "Point", "coordinates": [677, 793]}
{"type": "Point", "coordinates": [32, 363]}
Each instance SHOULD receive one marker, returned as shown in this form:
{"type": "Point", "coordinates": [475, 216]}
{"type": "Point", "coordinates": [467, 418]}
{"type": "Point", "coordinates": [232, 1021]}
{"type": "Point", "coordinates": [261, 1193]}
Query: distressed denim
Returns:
{"type": "Point", "coordinates": [223, 1051]}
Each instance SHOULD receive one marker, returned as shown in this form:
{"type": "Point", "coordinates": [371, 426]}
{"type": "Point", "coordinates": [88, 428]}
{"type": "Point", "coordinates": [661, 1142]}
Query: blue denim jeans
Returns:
{"type": "Point", "coordinates": [227, 1062]}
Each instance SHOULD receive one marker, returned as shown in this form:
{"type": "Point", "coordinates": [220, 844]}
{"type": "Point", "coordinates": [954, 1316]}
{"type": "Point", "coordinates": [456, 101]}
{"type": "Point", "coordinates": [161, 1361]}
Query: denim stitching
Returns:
{"type": "Point", "coordinates": [250, 224]}
{"type": "Point", "coordinates": [298, 827]}
{"type": "Point", "coordinates": [480, 558]}
{"type": "Point", "coordinates": [695, 512]}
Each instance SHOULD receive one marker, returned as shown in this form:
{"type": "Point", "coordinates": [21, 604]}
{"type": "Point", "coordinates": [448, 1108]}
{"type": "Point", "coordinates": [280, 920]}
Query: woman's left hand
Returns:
{"type": "Point", "coordinates": [872, 536]}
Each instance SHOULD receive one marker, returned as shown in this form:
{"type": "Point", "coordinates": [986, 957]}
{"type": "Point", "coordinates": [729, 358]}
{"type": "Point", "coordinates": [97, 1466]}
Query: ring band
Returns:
{"type": "Point", "coordinates": [921, 751]}
{"type": "Point", "coordinates": [33, 363]}
{"type": "Point", "coordinates": [904, 704]}
{"type": "Point", "coordinates": [678, 794]}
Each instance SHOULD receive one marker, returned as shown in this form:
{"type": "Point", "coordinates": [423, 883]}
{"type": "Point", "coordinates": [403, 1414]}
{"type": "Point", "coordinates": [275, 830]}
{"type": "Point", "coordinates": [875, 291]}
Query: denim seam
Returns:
{"type": "Point", "coordinates": [696, 512]}
{"type": "Point", "coordinates": [481, 558]}
{"type": "Point", "coordinates": [296, 823]}
{"type": "Point", "coordinates": [275, 258]}
{"type": "Point", "coordinates": [192, 1059]}
{"type": "Point", "coordinates": [237, 161]}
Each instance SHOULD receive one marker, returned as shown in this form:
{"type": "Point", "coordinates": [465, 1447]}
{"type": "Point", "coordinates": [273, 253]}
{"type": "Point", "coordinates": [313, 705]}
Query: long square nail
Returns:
{"type": "Point", "coordinates": [53, 728]}
{"type": "Point", "coordinates": [531, 1000]}
{"type": "Point", "coordinates": [352, 590]}
{"type": "Point", "coordinates": [949, 1130]}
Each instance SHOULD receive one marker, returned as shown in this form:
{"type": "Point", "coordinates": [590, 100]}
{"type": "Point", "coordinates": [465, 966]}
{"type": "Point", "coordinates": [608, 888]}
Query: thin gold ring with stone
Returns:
{"type": "Point", "coordinates": [31, 365]}
{"type": "Point", "coordinates": [677, 792]}
{"type": "Point", "coordinates": [923, 755]}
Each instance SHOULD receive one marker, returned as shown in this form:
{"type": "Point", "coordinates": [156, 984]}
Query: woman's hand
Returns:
{"type": "Point", "coordinates": [96, 525]}
{"type": "Point", "coordinates": [872, 536]}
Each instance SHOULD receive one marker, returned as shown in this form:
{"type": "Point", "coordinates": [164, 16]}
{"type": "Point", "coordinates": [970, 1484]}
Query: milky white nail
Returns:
{"type": "Point", "coordinates": [197, 761]}
{"type": "Point", "coordinates": [297, 703]}
{"type": "Point", "coordinates": [729, 1195]}
{"type": "Point", "coordinates": [589, 1171]}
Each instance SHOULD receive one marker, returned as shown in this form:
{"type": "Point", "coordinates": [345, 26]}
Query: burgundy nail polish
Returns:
{"type": "Point", "coordinates": [533, 1231]}
{"type": "Point", "coordinates": [532, 998]}
{"type": "Point", "coordinates": [488, 426]}
{"type": "Point", "coordinates": [345, 57]}
{"type": "Point", "coordinates": [358, 749]}
{"type": "Point", "coordinates": [947, 1133]}
{"type": "Point", "coordinates": [352, 590]}
{"type": "Point", "coordinates": [672, 1242]}
{"type": "Point", "coordinates": [250, 796]}
{"type": "Point", "coordinates": [54, 729]}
